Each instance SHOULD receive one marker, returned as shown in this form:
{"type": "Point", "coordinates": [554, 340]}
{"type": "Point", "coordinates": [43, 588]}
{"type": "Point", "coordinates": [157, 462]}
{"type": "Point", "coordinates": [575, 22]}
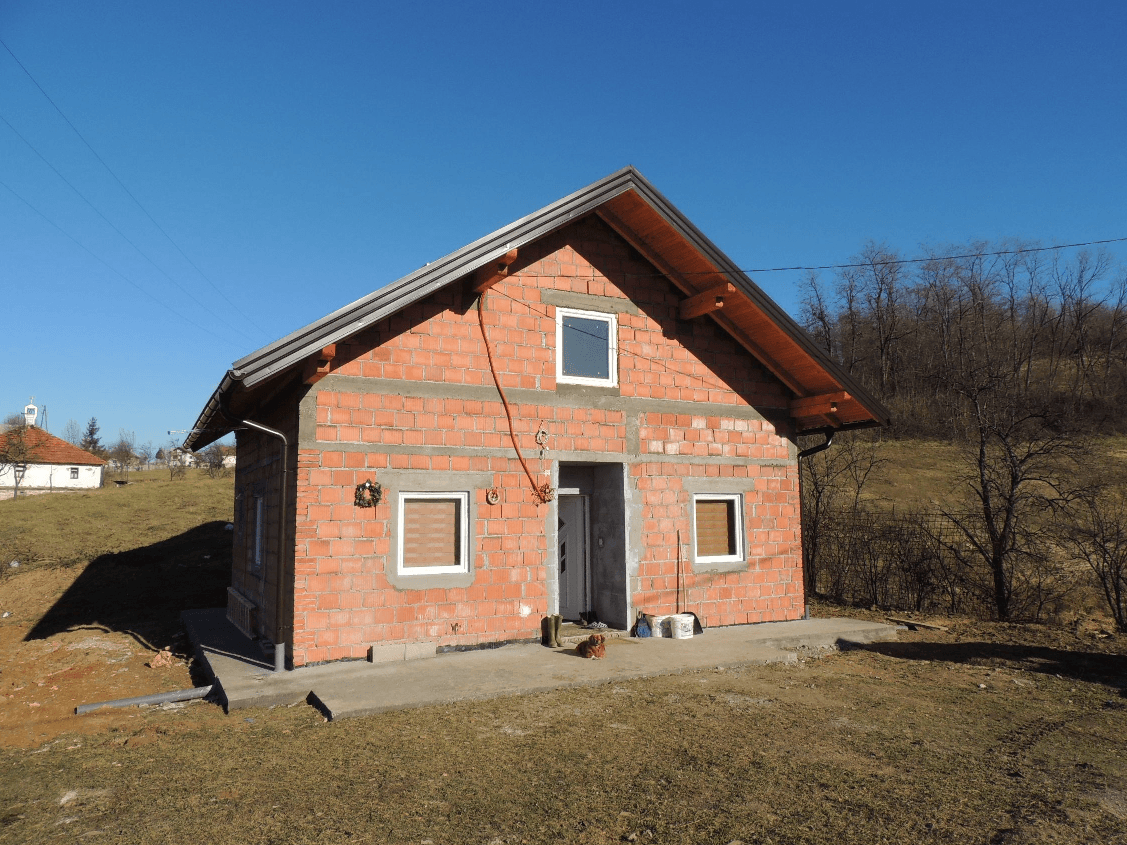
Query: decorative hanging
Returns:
{"type": "Point", "coordinates": [368, 494]}
{"type": "Point", "coordinates": [492, 495]}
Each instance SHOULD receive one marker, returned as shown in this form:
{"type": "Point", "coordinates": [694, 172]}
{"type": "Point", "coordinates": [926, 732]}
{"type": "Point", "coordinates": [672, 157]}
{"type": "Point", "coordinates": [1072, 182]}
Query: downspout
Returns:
{"type": "Point", "coordinates": [279, 624]}
{"type": "Point", "coordinates": [828, 432]}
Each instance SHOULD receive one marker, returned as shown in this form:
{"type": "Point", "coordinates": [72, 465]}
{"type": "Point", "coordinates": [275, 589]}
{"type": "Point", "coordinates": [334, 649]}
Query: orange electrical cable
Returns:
{"type": "Point", "coordinates": [542, 491]}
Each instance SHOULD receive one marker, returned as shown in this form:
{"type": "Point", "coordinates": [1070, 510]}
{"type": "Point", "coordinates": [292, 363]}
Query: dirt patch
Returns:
{"type": "Point", "coordinates": [43, 680]}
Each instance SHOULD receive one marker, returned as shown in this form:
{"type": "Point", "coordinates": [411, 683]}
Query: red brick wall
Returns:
{"type": "Point", "coordinates": [344, 600]}
{"type": "Point", "coordinates": [771, 590]}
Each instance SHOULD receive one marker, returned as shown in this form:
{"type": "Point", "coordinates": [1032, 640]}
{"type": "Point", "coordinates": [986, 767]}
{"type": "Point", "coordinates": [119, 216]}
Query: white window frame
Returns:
{"type": "Point", "coordinates": [74, 473]}
{"type": "Point", "coordinates": [463, 564]}
{"type": "Point", "coordinates": [737, 501]}
{"type": "Point", "coordinates": [611, 320]}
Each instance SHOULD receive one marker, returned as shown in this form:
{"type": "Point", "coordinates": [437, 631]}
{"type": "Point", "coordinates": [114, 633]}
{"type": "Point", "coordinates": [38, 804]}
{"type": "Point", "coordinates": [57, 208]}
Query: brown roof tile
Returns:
{"type": "Point", "coordinates": [48, 449]}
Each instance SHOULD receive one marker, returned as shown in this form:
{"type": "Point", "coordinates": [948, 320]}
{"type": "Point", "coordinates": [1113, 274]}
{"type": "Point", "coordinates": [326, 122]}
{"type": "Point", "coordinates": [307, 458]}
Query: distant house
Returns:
{"type": "Point", "coordinates": [655, 393]}
{"type": "Point", "coordinates": [181, 458]}
{"type": "Point", "coordinates": [52, 463]}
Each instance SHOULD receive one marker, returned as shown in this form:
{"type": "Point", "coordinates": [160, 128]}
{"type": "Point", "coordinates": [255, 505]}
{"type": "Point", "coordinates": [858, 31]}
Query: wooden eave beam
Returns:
{"type": "Point", "coordinates": [627, 234]}
{"type": "Point", "coordinates": [823, 405]}
{"type": "Point", "coordinates": [493, 272]}
{"type": "Point", "coordinates": [706, 301]}
{"type": "Point", "coordinates": [319, 367]}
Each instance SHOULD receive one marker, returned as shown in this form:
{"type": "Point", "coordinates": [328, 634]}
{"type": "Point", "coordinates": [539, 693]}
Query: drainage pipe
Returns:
{"type": "Point", "coordinates": [828, 432]}
{"type": "Point", "coordinates": [280, 597]}
{"type": "Point", "coordinates": [155, 698]}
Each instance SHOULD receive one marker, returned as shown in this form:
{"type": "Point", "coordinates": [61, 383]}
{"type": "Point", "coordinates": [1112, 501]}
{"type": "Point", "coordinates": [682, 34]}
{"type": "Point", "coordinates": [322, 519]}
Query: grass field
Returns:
{"type": "Point", "coordinates": [921, 474]}
{"type": "Point", "coordinates": [983, 733]}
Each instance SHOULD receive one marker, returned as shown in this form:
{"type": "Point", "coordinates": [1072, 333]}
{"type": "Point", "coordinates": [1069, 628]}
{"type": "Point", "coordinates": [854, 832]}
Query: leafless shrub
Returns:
{"type": "Point", "coordinates": [1099, 536]}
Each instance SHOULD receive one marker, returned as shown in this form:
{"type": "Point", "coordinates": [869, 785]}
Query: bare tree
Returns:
{"type": "Point", "coordinates": [1099, 536]}
{"type": "Point", "coordinates": [832, 482]}
{"type": "Point", "coordinates": [72, 432]}
{"type": "Point", "coordinates": [123, 452]}
{"type": "Point", "coordinates": [172, 460]}
{"type": "Point", "coordinates": [1022, 474]}
{"type": "Point", "coordinates": [15, 453]}
{"type": "Point", "coordinates": [212, 459]}
{"type": "Point", "coordinates": [145, 452]}
{"type": "Point", "coordinates": [816, 316]}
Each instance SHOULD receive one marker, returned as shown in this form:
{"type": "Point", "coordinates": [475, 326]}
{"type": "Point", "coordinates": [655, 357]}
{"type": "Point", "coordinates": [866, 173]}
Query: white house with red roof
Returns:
{"type": "Point", "coordinates": [50, 464]}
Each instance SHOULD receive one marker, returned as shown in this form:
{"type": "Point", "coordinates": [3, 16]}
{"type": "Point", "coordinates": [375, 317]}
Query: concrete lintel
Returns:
{"type": "Point", "coordinates": [589, 302]}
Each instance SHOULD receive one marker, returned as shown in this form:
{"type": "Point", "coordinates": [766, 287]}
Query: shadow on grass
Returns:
{"type": "Point", "coordinates": [1090, 667]}
{"type": "Point", "coordinates": [141, 592]}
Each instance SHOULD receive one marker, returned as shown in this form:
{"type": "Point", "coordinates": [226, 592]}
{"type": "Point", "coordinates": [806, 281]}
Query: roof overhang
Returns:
{"type": "Point", "coordinates": [824, 395]}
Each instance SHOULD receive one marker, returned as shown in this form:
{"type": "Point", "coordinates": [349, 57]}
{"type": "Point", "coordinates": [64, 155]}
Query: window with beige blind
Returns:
{"type": "Point", "coordinates": [718, 528]}
{"type": "Point", "coordinates": [433, 533]}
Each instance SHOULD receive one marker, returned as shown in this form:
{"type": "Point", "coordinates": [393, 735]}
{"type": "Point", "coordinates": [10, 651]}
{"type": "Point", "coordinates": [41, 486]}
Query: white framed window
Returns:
{"type": "Point", "coordinates": [586, 347]}
{"type": "Point", "coordinates": [73, 473]}
{"type": "Point", "coordinates": [718, 531]}
{"type": "Point", "coordinates": [433, 533]}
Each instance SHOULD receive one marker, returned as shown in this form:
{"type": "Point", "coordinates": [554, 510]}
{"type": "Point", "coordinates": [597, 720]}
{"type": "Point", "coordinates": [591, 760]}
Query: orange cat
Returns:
{"type": "Point", "coordinates": [592, 647]}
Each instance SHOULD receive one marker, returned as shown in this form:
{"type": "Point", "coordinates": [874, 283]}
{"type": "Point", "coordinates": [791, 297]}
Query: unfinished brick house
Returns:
{"type": "Point", "coordinates": [654, 392]}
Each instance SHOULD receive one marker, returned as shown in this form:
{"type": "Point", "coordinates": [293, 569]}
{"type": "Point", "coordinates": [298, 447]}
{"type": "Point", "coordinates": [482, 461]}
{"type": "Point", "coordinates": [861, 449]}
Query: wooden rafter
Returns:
{"type": "Point", "coordinates": [706, 301]}
{"type": "Point", "coordinates": [493, 272]}
{"type": "Point", "coordinates": [823, 405]}
{"type": "Point", "coordinates": [319, 367]}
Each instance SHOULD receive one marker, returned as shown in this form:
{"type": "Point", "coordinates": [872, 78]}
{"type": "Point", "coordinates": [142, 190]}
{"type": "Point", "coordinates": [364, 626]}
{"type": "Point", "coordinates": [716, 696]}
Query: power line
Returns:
{"type": "Point", "coordinates": [892, 261]}
{"type": "Point", "coordinates": [113, 269]}
{"type": "Point", "coordinates": [129, 193]}
{"type": "Point", "coordinates": [124, 237]}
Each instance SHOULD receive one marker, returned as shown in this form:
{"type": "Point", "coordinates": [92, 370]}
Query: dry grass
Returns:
{"type": "Point", "coordinates": [983, 734]}
{"type": "Point", "coordinates": [917, 742]}
{"type": "Point", "coordinates": [924, 473]}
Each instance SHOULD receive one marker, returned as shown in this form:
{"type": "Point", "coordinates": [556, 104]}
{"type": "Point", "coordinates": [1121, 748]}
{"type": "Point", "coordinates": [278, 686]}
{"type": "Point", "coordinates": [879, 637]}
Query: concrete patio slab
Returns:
{"type": "Point", "coordinates": [357, 688]}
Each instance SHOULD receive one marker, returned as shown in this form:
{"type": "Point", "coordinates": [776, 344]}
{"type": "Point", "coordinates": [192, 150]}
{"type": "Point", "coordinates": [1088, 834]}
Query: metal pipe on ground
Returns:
{"type": "Point", "coordinates": [155, 698]}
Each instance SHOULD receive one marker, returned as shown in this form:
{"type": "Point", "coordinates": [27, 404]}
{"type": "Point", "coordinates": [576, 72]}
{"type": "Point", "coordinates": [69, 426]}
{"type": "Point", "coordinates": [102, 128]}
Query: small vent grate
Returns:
{"type": "Point", "coordinates": [241, 612]}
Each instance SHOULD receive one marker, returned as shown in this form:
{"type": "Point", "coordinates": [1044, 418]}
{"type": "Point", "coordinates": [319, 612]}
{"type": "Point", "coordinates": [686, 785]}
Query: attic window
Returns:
{"type": "Point", "coordinates": [586, 347]}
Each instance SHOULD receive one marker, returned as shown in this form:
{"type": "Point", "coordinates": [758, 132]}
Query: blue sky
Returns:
{"type": "Point", "coordinates": [302, 155]}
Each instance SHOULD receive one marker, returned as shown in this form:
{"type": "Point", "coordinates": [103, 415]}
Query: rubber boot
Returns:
{"type": "Point", "coordinates": [547, 627]}
{"type": "Point", "coordinates": [557, 620]}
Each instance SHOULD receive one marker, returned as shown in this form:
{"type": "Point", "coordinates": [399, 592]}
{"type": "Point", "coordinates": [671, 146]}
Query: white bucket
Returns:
{"type": "Point", "coordinates": [659, 626]}
{"type": "Point", "coordinates": [681, 626]}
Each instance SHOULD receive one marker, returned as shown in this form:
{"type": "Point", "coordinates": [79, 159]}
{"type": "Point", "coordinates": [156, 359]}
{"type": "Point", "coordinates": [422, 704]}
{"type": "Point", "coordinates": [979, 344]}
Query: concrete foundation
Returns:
{"type": "Point", "coordinates": [356, 688]}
